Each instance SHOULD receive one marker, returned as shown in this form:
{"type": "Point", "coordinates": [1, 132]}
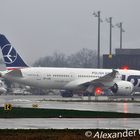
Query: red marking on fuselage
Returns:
{"type": "Point", "coordinates": [15, 68]}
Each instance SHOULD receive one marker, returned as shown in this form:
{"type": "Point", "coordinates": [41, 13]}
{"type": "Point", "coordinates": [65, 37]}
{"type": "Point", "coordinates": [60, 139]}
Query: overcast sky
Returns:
{"type": "Point", "coordinates": [37, 28]}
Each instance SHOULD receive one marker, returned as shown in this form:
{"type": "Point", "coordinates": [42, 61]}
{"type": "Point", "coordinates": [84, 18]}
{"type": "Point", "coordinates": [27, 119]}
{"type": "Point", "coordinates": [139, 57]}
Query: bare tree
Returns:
{"type": "Point", "coordinates": [56, 60]}
{"type": "Point", "coordinates": [85, 58]}
{"type": "Point", "coordinates": [59, 60]}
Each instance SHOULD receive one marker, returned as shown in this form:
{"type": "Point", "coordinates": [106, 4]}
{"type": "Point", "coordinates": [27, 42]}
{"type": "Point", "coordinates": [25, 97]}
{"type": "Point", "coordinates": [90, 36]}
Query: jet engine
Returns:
{"type": "Point", "coordinates": [122, 88]}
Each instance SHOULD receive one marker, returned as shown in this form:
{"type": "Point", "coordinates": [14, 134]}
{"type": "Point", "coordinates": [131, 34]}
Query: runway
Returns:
{"type": "Point", "coordinates": [75, 123]}
{"type": "Point", "coordinates": [64, 123]}
{"type": "Point", "coordinates": [27, 101]}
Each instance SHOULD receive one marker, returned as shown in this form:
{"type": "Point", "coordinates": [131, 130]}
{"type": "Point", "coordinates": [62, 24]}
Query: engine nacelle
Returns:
{"type": "Point", "coordinates": [122, 88]}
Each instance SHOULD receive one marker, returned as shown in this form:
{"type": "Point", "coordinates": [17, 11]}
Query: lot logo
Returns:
{"type": "Point", "coordinates": [134, 79]}
{"type": "Point", "coordinates": [9, 54]}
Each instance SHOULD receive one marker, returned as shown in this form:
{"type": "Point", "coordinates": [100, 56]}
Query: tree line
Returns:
{"type": "Point", "coordinates": [85, 58]}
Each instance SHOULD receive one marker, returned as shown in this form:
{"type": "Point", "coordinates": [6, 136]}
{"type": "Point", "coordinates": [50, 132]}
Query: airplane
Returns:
{"type": "Point", "coordinates": [117, 80]}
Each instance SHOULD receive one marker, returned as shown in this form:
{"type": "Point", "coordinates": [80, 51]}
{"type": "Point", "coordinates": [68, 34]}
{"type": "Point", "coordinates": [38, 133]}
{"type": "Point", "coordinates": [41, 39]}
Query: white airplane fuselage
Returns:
{"type": "Point", "coordinates": [69, 78]}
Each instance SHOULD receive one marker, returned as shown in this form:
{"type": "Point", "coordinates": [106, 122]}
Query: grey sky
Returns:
{"type": "Point", "coordinates": [37, 28]}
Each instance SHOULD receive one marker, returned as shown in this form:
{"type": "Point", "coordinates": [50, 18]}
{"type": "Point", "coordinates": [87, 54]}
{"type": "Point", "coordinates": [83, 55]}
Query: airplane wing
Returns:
{"type": "Point", "coordinates": [106, 80]}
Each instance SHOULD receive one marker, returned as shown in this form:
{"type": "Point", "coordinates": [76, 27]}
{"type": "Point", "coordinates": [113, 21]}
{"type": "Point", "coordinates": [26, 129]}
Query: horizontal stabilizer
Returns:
{"type": "Point", "coordinates": [14, 73]}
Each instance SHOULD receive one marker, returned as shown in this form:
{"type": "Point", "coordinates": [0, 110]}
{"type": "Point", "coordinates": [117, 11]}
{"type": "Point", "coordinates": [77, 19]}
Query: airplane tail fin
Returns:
{"type": "Point", "coordinates": [12, 59]}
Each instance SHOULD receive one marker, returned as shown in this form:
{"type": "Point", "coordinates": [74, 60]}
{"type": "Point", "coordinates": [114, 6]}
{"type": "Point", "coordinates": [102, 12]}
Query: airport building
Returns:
{"type": "Point", "coordinates": [123, 58]}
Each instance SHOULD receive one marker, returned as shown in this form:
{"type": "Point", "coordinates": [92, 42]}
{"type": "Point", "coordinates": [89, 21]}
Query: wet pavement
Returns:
{"type": "Point", "coordinates": [63, 103]}
{"type": "Point", "coordinates": [74, 123]}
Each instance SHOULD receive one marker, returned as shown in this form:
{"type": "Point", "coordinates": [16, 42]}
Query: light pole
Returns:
{"type": "Point", "coordinates": [109, 20]}
{"type": "Point", "coordinates": [119, 25]}
{"type": "Point", "coordinates": [99, 20]}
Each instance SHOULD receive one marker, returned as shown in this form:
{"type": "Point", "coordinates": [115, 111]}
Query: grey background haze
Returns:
{"type": "Point", "coordinates": [37, 28]}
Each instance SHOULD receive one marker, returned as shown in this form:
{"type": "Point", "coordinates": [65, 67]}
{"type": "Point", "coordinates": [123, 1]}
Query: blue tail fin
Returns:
{"type": "Point", "coordinates": [11, 57]}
